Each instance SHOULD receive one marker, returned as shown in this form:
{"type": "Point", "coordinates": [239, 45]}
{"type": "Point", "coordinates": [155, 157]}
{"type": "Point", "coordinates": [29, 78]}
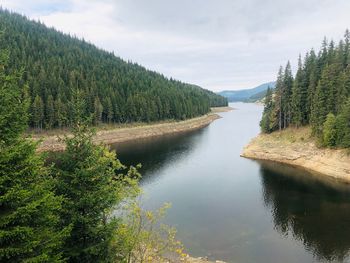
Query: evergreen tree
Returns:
{"type": "Point", "coordinates": [29, 230]}
{"type": "Point", "coordinates": [265, 122]}
{"type": "Point", "coordinates": [38, 112]}
{"type": "Point", "coordinates": [278, 109]}
{"type": "Point", "coordinates": [60, 113]}
{"type": "Point", "coordinates": [98, 109]}
{"type": "Point", "coordinates": [287, 95]}
{"type": "Point", "coordinates": [343, 126]}
{"type": "Point", "coordinates": [329, 131]}
{"type": "Point", "coordinates": [89, 179]}
{"type": "Point", "coordinates": [50, 112]}
{"type": "Point", "coordinates": [57, 64]}
{"type": "Point", "coordinates": [297, 101]}
{"type": "Point", "coordinates": [318, 97]}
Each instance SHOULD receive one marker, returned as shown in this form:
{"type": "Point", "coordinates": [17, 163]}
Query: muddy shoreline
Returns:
{"type": "Point", "coordinates": [297, 148]}
{"type": "Point", "coordinates": [51, 143]}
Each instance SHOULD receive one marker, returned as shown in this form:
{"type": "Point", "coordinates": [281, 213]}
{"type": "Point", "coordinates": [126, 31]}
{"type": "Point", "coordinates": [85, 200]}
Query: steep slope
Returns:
{"type": "Point", "coordinates": [247, 95]}
{"type": "Point", "coordinates": [59, 68]}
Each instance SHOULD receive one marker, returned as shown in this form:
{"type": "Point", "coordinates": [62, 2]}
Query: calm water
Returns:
{"type": "Point", "coordinates": [238, 210]}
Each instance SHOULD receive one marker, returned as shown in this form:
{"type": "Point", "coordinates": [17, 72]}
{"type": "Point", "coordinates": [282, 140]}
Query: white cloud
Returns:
{"type": "Point", "coordinates": [218, 45]}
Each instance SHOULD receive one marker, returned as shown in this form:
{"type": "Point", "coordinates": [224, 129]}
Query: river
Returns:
{"type": "Point", "coordinates": [239, 210]}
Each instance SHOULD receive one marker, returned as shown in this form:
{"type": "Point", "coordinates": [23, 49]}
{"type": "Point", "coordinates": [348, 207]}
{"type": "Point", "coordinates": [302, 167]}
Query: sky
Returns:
{"type": "Point", "coordinates": [216, 44]}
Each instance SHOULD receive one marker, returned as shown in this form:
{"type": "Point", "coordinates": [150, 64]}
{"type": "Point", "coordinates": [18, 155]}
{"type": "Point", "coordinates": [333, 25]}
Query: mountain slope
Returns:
{"type": "Point", "coordinates": [58, 68]}
{"type": "Point", "coordinates": [246, 95]}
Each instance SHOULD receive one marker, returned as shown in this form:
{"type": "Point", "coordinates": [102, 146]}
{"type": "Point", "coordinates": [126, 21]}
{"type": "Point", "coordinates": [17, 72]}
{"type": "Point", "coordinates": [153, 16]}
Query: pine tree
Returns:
{"type": "Point", "coordinates": [60, 113]}
{"type": "Point", "coordinates": [343, 126]}
{"type": "Point", "coordinates": [278, 110]}
{"type": "Point", "coordinates": [38, 112]}
{"type": "Point", "coordinates": [50, 112]}
{"type": "Point", "coordinates": [57, 64]}
{"type": "Point", "coordinates": [329, 131]}
{"type": "Point", "coordinates": [90, 181]}
{"type": "Point", "coordinates": [98, 109]}
{"type": "Point", "coordinates": [297, 101]}
{"type": "Point", "coordinates": [29, 230]}
{"type": "Point", "coordinates": [265, 122]}
{"type": "Point", "coordinates": [287, 95]}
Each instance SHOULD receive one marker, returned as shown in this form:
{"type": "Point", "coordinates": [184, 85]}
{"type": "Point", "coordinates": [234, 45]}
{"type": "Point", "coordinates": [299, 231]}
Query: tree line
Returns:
{"type": "Point", "coordinates": [55, 65]}
{"type": "Point", "coordinates": [318, 95]}
{"type": "Point", "coordinates": [66, 211]}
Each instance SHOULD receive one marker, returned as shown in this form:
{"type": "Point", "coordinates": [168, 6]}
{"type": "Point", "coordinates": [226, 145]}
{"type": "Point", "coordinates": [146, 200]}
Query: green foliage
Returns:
{"type": "Point", "coordinates": [29, 210]}
{"type": "Point", "coordinates": [13, 107]}
{"type": "Point", "coordinates": [89, 179]}
{"type": "Point", "coordinates": [329, 131]}
{"type": "Point", "coordinates": [266, 120]}
{"type": "Point", "coordinates": [343, 126]}
{"type": "Point", "coordinates": [318, 96]}
{"type": "Point", "coordinates": [57, 64]}
{"type": "Point", "coordinates": [143, 238]}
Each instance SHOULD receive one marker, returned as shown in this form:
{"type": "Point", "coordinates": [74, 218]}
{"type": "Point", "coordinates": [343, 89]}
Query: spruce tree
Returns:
{"type": "Point", "coordinates": [287, 95]}
{"type": "Point", "coordinates": [29, 229]}
{"type": "Point", "coordinates": [50, 112]}
{"type": "Point", "coordinates": [297, 101]}
{"type": "Point", "coordinates": [329, 131]}
{"type": "Point", "coordinates": [89, 179]}
{"type": "Point", "coordinates": [38, 112]}
{"type": "Point", "coordinates": [277, 114]}
{"type": "Point", "coordinates": [265, 122]}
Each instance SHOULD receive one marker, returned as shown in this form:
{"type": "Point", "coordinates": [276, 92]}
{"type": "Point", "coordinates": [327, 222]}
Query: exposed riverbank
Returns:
{"type": "Point", "coordinates": [296, 147]}
{"type": "Point", "coordinates": [111, 135]}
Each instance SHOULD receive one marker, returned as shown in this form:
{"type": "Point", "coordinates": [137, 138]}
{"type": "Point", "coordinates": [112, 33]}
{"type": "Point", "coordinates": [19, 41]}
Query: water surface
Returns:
{"type": "Point", "coordinates": [235, 209]}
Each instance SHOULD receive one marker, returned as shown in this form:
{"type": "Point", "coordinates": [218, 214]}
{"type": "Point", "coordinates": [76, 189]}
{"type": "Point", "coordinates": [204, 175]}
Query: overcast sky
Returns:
{"type": "Point", "coordinates": [217, 44]}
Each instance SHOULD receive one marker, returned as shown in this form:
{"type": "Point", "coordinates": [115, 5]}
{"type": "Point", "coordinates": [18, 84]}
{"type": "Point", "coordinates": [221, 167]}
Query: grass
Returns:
{"type": "Point", "coordinates": [292, 135]}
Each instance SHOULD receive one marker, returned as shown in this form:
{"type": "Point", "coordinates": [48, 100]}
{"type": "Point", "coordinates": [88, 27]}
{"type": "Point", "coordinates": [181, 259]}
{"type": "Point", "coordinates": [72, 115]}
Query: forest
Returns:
{"type": "Point", "coordinates": [318, 95]}
{"type": "Point", "coordinates": [64, 210]}
{"type": "Point", "coordinates": [57, 67]}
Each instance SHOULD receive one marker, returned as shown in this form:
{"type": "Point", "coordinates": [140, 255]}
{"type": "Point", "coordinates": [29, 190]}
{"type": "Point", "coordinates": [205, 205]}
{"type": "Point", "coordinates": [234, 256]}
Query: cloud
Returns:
{"type": "Point", "coordinates": [221, 44]}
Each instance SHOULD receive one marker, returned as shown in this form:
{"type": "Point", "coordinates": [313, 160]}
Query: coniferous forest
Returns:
{"type": "Point", "coordinates": [57, 66]}
{"type": "Point", "coordinates": [318, 95]}
{"type": "Point", "coordinates": [66, 211]}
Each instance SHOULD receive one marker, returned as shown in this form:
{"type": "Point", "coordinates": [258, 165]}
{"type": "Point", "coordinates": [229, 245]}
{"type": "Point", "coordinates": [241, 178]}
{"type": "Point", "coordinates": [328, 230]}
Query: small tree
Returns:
{"type": "Point", "coordinates": [37, 111]}
{"type": "Point", "coordinates": [89, 178]}
{"type": "Point", "coordinates": [265, 122]}
{"type": "Point", "coordinates": [329, 131]}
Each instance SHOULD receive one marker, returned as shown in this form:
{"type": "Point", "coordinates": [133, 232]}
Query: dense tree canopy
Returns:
{"type": "Point", "coordinates": [29, 210]}
{"type": "Point", "coordinates": [116, 91]}
{"type": "Point", "coordinates": [318, 95]}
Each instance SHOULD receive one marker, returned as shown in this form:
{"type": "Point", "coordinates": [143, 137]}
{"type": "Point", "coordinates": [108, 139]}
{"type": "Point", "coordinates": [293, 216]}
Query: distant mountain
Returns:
{"type": "Point", "coordinates": [247, 95]}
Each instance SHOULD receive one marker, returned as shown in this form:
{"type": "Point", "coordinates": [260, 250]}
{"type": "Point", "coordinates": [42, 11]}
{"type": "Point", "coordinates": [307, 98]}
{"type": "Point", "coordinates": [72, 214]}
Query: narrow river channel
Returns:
{"type": "Point", "coordinates": [238, 210]}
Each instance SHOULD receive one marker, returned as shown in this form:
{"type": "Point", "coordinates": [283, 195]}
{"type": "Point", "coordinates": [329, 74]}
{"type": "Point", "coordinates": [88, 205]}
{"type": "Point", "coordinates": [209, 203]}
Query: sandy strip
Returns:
{"type": "Point", "coordinates": [51, 143]}
{"type": "Point", "coordinates": [297, 148]}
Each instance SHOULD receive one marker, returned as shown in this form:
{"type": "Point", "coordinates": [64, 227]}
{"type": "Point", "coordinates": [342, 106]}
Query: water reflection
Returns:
{"type": "Point", "coordinates": [316, 212]}
{"type": "Point", "coordinates": [158, 152]}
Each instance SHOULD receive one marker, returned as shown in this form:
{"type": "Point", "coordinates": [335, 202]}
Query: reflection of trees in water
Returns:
{"type": "Point", "coordinates": [315, 212]}
{"type": "Point", "coordinates": [157, 153]}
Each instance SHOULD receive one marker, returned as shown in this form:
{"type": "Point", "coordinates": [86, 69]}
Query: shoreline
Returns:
{"type": "Point", "coordinates": [296, 147]}
{"type": "Point", "coordinates": [51, 143]}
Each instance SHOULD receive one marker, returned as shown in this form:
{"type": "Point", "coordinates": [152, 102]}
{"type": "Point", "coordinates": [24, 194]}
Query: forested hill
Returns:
{"type": "Point", "coordinates": [57, 66]}
{"type": "Point", "coordinates": [318, 95]}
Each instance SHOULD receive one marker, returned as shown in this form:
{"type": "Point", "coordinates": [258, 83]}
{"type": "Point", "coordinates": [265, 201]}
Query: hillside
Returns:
{"type": "Point", "coordinates": [317, 96]}
{"type": "Point", "coordinates": [58, 69]}
{"type": "Point", "coordinates": [247, 95]}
